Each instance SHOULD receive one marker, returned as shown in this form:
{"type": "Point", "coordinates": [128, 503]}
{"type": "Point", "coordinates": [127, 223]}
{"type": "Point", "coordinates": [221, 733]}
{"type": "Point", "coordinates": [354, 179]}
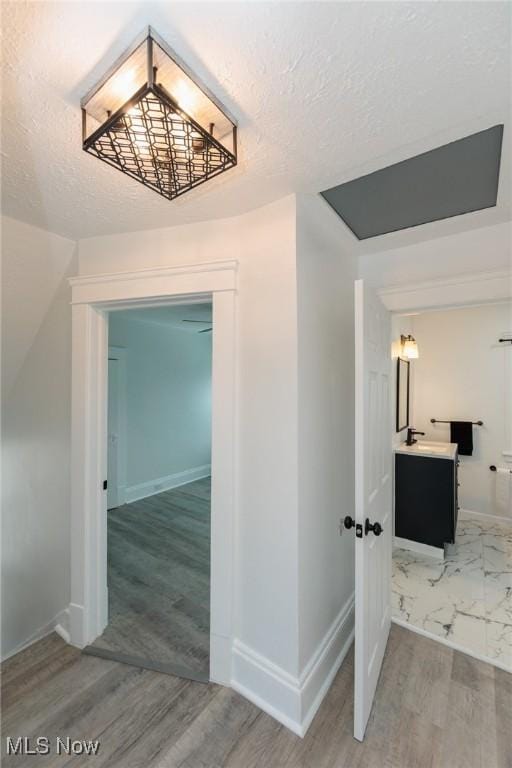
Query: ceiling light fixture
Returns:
{"type": "Point", "coordinates": [151, 118]}
{"type": "Point", "coordinates": [409, 347]}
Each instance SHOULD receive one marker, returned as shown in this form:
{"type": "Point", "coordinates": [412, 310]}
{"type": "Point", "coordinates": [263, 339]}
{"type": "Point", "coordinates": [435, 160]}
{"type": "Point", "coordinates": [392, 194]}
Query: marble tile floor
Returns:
{"type": "Point", "coordinates": [467, 598]}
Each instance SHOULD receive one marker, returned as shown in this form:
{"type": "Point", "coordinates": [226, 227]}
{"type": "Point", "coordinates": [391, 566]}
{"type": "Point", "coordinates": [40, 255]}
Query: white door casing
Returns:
{"type": "Point", "coordinates": [373, 485]}
{"type": "Point", "coordinates": [92, 298]}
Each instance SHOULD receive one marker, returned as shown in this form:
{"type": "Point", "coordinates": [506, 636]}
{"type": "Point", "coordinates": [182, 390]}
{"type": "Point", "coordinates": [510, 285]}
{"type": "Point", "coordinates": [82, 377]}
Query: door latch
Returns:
{"type": "Point", "coordinates": [349, 522]}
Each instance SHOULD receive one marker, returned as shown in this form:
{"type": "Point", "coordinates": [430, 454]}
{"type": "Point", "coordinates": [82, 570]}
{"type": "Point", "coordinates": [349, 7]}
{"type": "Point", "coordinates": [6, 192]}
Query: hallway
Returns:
{"type": "Point", "coordinates": [434, 708]}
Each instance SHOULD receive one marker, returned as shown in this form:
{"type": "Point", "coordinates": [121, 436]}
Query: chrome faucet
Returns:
{"type": "Point", "coordinates": [410, 435]}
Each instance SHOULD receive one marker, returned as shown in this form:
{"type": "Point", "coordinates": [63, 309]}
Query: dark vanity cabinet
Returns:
{"type": "Point", "coordinates": [426, 499]}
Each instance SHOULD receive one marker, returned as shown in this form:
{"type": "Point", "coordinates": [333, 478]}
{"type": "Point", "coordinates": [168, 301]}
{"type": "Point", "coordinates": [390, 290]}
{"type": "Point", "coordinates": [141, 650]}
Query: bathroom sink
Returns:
{"type": "Point", "coordinates": [427, 448]}
{"type": "Point", "coordinates": [434, 448]}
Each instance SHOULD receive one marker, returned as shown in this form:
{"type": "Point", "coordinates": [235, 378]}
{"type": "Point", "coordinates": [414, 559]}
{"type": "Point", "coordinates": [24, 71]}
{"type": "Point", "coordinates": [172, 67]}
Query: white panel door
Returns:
{"type": "Point", "coordinates": [373, 497]}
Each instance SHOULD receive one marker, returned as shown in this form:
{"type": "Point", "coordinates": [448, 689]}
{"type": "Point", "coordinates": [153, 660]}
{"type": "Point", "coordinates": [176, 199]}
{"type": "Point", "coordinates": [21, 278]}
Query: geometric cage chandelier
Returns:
{"type": "Point", "coordinates": [151, 118]}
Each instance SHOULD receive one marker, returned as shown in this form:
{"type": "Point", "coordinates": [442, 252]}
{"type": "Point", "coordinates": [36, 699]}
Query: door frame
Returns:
{"type": "Point", "coordinates": [93, 296]}
{"type": "Point", "coordinates": [453, 292]}
{"type": "Point", "coordinates": [120, 356]}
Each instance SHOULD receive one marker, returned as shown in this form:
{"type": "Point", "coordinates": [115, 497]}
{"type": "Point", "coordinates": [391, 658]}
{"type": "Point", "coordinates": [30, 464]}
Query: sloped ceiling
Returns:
{"type": "Point", "coordinates": [323, 93]}
{"type": "Point", "coordinates": [34, 268]}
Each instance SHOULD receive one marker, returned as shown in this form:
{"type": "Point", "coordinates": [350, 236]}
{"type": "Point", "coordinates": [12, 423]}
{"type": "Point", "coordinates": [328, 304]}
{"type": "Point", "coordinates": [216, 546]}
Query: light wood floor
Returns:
{"type": "Point", "coordinates": [435, 708]}
{"type": "Point", "coordinates": [159, 580]}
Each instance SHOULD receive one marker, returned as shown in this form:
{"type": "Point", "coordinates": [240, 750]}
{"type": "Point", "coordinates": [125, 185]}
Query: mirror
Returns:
{"type": "Point", "coordinates": [402, 394]}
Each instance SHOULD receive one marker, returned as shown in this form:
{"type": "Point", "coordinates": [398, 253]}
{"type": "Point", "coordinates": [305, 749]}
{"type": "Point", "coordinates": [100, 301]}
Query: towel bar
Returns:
{"type": "Point", "coordinates": [442, 421]}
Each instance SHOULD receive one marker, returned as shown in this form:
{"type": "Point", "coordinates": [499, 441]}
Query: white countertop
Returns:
{"type": "Point", "coordinates": [430, 448]}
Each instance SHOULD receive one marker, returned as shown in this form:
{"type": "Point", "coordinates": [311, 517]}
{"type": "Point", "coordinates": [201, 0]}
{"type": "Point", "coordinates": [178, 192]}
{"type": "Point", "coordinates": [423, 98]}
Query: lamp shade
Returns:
{"type": "Point", "coordinates": [151, 118]}
{"type": "Point", "coordinates": [409, 347]}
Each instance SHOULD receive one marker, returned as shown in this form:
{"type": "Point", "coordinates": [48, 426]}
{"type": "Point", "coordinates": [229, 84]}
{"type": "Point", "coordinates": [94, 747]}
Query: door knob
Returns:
{"type": "Point", "coordinates": [375, 527]}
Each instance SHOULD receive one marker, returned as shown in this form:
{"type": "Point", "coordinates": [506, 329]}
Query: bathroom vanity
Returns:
{"type": "Point", "coordinates": [426, 505]}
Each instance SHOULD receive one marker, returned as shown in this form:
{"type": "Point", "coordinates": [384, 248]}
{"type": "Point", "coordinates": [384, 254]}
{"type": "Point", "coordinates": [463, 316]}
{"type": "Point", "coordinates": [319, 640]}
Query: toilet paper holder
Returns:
{"type": "Point", "coordinates": [494, 468]}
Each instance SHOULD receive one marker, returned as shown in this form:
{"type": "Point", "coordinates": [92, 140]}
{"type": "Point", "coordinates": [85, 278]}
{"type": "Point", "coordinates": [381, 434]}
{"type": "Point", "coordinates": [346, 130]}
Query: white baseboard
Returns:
{"type": "Point", "coordinates": [220, 659]}
{"type": "Point", "coordinates": [323, 666]}
{"type": "Point", "coordinates": [500, 518]}
{"type": "Point", "coordinates": [59, 624]}
{"type": "Point", "coordinates": [268, 686]}
{"type": "Point", "coordinates": [294, 701]}
{"type": "Point", "coordinates": [80, 632]}
{"type": "Point", "coordinates": [62, 624]}
{"type": "Point", "coordinates": [450, 644]}
{"type": "Point", "coordinates": [161, 484]}
{"type": "Point", "coordinates": [277, 712]}
{"type": "Point", "coordinates": [419, 547]}
{"type": "Point", "coordinates": [121, 494]}
{"type": "Point", "coordinates": [76, 626]}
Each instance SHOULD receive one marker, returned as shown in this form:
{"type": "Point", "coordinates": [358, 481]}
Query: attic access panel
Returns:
{"type": "Point", "coordinates": [450, 180]}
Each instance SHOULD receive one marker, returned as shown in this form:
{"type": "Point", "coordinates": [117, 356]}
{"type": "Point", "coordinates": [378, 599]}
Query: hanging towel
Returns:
{"type": "Point", "coordinates": [504, 491]}
{"type": "Point", "coordinates": [461, 432]}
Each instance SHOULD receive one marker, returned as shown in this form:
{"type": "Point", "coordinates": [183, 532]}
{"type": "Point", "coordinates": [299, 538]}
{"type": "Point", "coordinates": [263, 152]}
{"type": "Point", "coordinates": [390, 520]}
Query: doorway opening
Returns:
{"type": "Point", "coordinates": [159, 489]}
{"type": "Point", "coordinates": [93, 298]}
{"type": "Point", "coordinates": [452, 556]}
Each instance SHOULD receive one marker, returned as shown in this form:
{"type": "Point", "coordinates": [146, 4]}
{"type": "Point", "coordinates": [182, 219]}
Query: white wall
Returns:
{"type": "Point", "coordinates": [281, 665]}
{"type": "Point", "coordinates": [266, 610]}
{"type": "Point", "coordinates": [280, 661]}
{"type": "Point", "coordinates": [461, 374]}
{"type": "Point", "coordinates": [36, 391]}
{"type": "Point", "coordinates": [168, 401]}
{"type": "Point", "coordinates": [483, 250]}
{"type": "Point", "coordinates": [325, 296]}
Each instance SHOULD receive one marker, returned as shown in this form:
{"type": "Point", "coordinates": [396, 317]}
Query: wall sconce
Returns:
{"type": "Point", "coordinates": [409, 347]}
{"type": "Point", "coordinates": [151, 118]}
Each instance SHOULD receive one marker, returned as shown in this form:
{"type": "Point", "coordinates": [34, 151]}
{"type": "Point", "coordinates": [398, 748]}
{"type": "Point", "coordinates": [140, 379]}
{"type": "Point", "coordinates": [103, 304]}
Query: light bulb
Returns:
{"type": "Point", "coordinates": [124, 84]}
{"type": "Point", "coordinates": [410, 348]}
{"type": "Point", "coordinates": [184, 96]}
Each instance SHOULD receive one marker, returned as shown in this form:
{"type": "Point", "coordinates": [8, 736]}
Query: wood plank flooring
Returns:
{"type": "Point", "coordinates": [434, 708]}
{"type": "Point", "coordinates": [159, 580]}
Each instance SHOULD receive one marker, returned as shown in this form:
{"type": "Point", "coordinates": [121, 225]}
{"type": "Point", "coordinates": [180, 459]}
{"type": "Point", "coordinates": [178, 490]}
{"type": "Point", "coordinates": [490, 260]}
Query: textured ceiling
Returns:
{"type": "Point", "coordinates": [322, 91]}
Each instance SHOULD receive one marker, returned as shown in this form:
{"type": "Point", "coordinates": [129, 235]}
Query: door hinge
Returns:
{"type": "Point", "coordinates": [105, 485]}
